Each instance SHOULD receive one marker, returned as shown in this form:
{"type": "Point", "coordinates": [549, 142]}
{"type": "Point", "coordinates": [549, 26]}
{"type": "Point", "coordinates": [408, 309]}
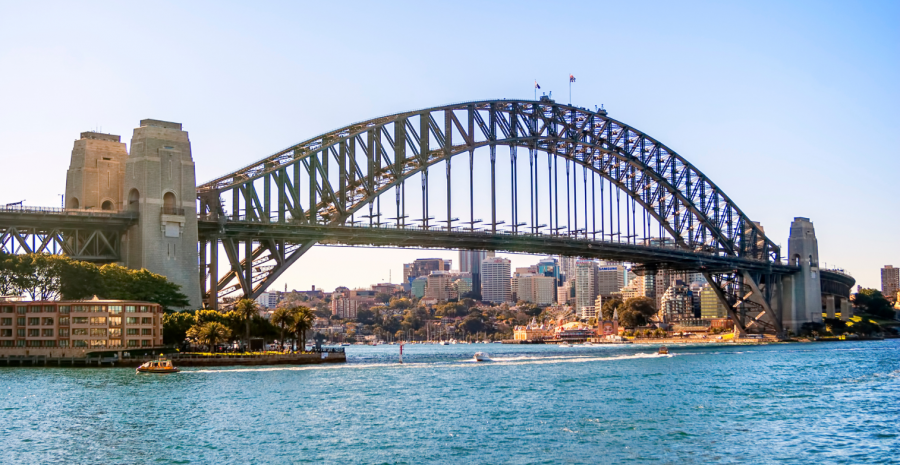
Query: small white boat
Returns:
{"type": "Point", "coordinates": [443, 343]}
{"type": "Point", "coordinates": [481, 357]}
{"type": "Point", "coordinates": [565, 344]}
{"type": "Point", "coordinates": [587, 344]}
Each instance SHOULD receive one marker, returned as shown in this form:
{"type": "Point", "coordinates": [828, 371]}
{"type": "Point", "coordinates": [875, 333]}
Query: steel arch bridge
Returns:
{"type": "Point", "coordinates": [635, 199]}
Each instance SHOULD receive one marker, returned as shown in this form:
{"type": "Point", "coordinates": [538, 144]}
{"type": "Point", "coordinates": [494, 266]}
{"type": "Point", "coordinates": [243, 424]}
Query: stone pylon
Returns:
{"type": "Point", "coordinates": [96, 170]}
{"type": "Point", "coordinates": [160, 184]}
{"type": "Point", "coordinates": [802, 297]}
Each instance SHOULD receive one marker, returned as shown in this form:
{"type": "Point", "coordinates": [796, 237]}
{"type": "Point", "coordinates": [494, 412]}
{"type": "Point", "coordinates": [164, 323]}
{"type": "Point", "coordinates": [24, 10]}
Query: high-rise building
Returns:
{"type": "Point", "coordinates": [439, 285]}
{"type": "Point", "coordinates": [564, 293]}
{"type": "Point", "coordinates": [417, 287]}
{"type": "Point", "coordinates": [676, 303]}
{"type": "Point", "coordinates": [710, 306]}
{"type": "Point", "coordinates": [495, 284]}
{"type": "Point", "coordinates": [470, 262]}
{"type": "Point", "coordinates": [610, 278]}
{"type": "Point", "coordinates": [537, 289]}
{"type": "Point", "coordinates": [567, 267]}
{"type": "Point", "coordinates": [423, 267]}
{"type": "Point", "coordinates": [549, 267]}
{"type": "Point", "coordinates": [585, 284]}
{"type": "Point", "coordinates": [890, 281]}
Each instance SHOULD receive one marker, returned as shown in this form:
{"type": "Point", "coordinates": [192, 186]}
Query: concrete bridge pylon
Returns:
{"type": "Point", "coordinates": [802, 296]}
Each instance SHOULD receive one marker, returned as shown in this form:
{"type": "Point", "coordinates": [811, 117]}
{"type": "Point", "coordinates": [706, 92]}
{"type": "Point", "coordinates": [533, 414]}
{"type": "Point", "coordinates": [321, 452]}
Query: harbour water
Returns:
{"type": "Point", "coordinates": [797, 403]}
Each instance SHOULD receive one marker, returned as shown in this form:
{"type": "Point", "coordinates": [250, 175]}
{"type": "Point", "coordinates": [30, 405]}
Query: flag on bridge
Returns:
{"type": "Point", "coordinates": [536, 85]}
{"type": "Point", "coordinates": [571, 78]}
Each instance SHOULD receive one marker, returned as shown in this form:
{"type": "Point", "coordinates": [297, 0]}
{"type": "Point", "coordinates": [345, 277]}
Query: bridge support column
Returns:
{"type": "Point", "coordinates": [805, 303]}
{"type": "Point", "coordinates": [829, 306]}
{"type": "Point", "coordinates": [846, 310]}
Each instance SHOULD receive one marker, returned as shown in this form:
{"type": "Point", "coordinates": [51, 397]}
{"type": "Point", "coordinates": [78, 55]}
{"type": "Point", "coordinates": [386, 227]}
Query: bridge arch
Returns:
{"type": "Point", "coordinates": [329, 179]}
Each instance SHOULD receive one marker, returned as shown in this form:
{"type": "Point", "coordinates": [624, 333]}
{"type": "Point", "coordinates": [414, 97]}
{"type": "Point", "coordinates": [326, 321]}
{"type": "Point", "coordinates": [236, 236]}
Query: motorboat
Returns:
{"type": "Point", "coordinates": [565, 344]}
{"type": "Point", "coordinates": [161, 366]}
{"type": "Point", "coordinates": [663, 350]}
{"type": "Point", "coordinates": [587, 344]}
{"type": "Point", "coordinates": [443, 343]}
{"type": "Point", "coordinates": [481, 357]}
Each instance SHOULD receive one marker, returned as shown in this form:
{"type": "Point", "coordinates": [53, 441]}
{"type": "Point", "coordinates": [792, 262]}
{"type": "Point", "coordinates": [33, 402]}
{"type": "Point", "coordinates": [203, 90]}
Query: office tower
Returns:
{"type": "Point", "coordinates": [470, 262]}
{"type": "Point", "coordinates": [495, 284]}
{"type": "Point", "coordinates": [890, 281]}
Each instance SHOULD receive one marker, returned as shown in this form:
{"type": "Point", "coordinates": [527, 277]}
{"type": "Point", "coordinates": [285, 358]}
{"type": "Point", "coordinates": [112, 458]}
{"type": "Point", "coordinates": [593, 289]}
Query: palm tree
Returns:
{"type": "Point", "coordinates": [209, 334]}
{"type": "Point", "coordinates": [303, 320]}
{"type": "Point", "coordinates": [283, 317]}
{"type": "Point", "coordinates": [246, 308]}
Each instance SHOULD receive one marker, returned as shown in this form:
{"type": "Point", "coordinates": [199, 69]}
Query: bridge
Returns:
{"type": "Point", "coordinates": [569, 181]}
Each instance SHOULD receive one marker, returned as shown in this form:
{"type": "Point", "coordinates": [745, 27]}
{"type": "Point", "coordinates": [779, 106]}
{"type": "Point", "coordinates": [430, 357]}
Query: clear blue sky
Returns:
{"type": "Point", "coordinates": [792, 108]}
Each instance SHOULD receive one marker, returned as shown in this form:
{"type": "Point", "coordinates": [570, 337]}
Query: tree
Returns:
{"type": "Point", "coordinates": [365, 316]}
{"type": "Point", "coordinates": [36, 275]}
{"type": "Point", "coordinates": [283, 318]}
{"type": "Point", "coordinates": [874, 303]}
{"type": "Point", "coordinates": [610, 306]}
{"type": "Point", "coordinates": [303, 320]}
{"type": "Point", "coordinates": [125, 284]}
{"type": "Point", "coordinates": [176, 325]}
{"type": "Point", "coordinates": [210, 334]}
{"type": "Point", "coordinates": [246, 309]}
{"type": "Point", "coordinates": [382, 297]}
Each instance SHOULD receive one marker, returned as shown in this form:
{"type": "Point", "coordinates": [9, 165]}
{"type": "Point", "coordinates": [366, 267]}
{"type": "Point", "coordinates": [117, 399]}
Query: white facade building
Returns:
{"type": "Point", "coordinates": [495, 280]}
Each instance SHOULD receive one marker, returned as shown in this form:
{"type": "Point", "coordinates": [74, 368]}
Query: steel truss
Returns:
{"type": "Point", "coordinates": [80, 234]}
{"type": "Point", "coordinates": [601, 181]}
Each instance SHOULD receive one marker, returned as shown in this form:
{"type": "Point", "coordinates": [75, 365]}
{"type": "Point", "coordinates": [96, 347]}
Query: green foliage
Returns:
{"type": "Point", "coordinates": [303, 321]}
{"type": "Point", "coordinates": [209, 334]}
{"type": "Point", "coordinates": [874, 303]}
{"type": "Point", "coordinates": [365, 316]}
{"type": "Point", "coordinates": [636, 311]}
{"type": "Point", "coordinates": [610, 306]}
{"type": "Point", "coordinates": [382, 297]}
{"type": "Point", "coordinates": [176, 326]}
{"type": "Point", "coordinates": [246, 309]}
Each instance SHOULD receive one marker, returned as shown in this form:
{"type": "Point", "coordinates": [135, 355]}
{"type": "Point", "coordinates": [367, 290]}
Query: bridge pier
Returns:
{"type": "Point", "coordinates": [802, 298]}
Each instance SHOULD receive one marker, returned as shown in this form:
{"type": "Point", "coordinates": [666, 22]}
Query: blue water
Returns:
{"type": "Point", "coordinates": [797, 403]}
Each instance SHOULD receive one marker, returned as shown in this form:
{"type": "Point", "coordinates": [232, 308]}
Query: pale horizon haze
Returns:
{"type": "Point", "coordinates": [789, 107]}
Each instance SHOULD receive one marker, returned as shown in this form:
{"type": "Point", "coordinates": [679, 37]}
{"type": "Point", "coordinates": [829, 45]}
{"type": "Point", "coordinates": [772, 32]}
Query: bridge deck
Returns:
{"type": "Point", "coordinates": [650, 256]}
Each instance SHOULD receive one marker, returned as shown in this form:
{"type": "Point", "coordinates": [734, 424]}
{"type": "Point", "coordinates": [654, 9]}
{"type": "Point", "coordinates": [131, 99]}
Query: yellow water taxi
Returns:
{"type": "Point", "coordinates": [663, 350]}
{"type": "Point", "coordinates": [162, 365]}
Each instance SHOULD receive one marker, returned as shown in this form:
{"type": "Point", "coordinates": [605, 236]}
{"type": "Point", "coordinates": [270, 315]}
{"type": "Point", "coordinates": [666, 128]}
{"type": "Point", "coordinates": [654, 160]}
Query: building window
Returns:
{"type": "Point", "coordinates": [146, 332]}
{"type": "Point", "coordinates": [20, 332]}
{"type": "Point", "coordinates": [63, 332]}
{"type": "Point", "coordinates": [132, 343]}
{"type": "Point", "coordinates": [5, 333]}
{"type": "Point", "coordinates": [34, 322]}
{"type": "Point", "coordinates": [5, 321]}
{"type": "Point", "coordinates": [49, 343]}
{"type": "Point", "coordinates": [49, 309]}
{"type": "Point", "coordinates": [79, 331]}
{"type": "Point", "coordinates": [64, 309]}
{"type": "Point", "coordinates": [131, 331]}
{"type": "Point", "coordinates": [132, 320]}
{"type": "Point", "coordinates": [35, 309]}
{"type": "Point", "coordinates": [145, 343]}
{"type": "Point", "coordinates": [7, 343]}
{"type": "Point", "coordinates": [115, 332]}
{"type": "Point", "coordinates": [98, 320]}
{"type": "Point", "coordinates": [80, 320]}
{"type": "Point", "coordinates": [6, 310]}
{"type": "Point", "coordinates": [130, 309]}
{"type": "Point", "coordinates": [98, 343]}
{"type": "Point", "coordinates": [96, 308]}
{"type": "Point", "coordinates": [145, 308]}
{"type": "Point", "coordinates": [47, 332]}
{"type": "Point", "coordinates": [115, 321]}
{"type": "Point", "coordinates": [98, 332]}
{"type": "Point", "coordinates": [146, 321]}
{"type": "Point", "coordinates": [20, 310]}
{"type": "Point", "coordinates": [64, 320]}
{"type": "Point", "coordinates": [115, 343]}
{"type": "Point", "coordinates": [64, 343]}
{"type": "Point", "coordinates": [48, 321]}
{"type": "Point", "coordinates": [115, 309]}
{"type": "Point", "coordinates": [33, 344]}
{"type": "Point", "coordinates": [20, 343]}
{"type": "Point", "coordinates": [79, 343]}
{"type": "Point", "coordinates": [77, 308]}
{"type": "Point", "coordinates": [20, 321]}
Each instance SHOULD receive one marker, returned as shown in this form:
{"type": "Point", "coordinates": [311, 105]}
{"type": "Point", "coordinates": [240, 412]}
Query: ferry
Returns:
{"type": "Point", "coordinates": [663, 350]}
{"type": "Point", "coordinates": [162, 365]}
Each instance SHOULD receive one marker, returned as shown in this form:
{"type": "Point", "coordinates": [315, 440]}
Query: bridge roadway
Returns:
{"type": "Point", "coordinates": [651, 257]}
